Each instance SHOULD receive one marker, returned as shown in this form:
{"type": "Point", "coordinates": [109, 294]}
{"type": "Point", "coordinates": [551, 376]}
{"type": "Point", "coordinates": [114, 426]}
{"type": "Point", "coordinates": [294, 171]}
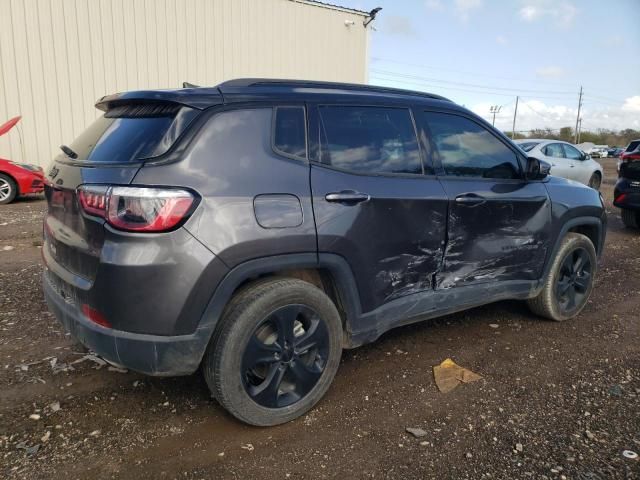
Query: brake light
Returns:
{"type": "Point", "coordinates": [138, 209]}
{"type": "Point", "coordinates": [620, 198]}
{"type": "Point", "coordinates": [93, 199]}
{"type": "Point", "coordinates": [95, 316]}
{"type": "Point", "coordinates": [630, 156]}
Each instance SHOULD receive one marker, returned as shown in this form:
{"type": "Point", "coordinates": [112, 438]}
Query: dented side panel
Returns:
{"type": "Point", "coordinates": [506, 237]}
{"type": "Point", "coordinates": [393, 242]}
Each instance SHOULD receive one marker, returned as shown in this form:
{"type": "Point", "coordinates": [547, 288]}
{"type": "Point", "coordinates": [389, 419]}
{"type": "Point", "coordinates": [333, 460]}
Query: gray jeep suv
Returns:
{"type": "Point", "coordinates": [257, 228]}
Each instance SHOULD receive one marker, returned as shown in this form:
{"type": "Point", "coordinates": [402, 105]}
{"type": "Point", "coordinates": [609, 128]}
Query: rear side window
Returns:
{"type": "Point", "coordinates": [633, 146]}
{"type": "Point", "coordinates": [373, 140]}
{"type": "Point", "coordinates": [289, 136]}
{"type": "Point", "coordinates": [133, 132]}
{"type": "Point", "coordinates": [467, 149]}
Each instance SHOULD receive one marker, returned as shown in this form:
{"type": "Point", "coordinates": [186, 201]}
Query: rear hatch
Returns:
{"type": "Point", "coordinates": [630, 169]}
{"type": "Point", "coordinates": [110, 151]}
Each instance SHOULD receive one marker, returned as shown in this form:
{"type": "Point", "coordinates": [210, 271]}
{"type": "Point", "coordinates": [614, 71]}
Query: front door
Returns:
{"type": "Point", "coordinates": [374, 201]}
{"type": "Point", "coordinates": [498, 223]}
{"type": "Point", "coordinates": [560, 165]}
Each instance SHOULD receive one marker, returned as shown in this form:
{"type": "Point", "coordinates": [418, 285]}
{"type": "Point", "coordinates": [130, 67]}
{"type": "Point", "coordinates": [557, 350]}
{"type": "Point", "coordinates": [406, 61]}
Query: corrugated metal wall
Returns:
{"type": "Point", "coordinates": [57, 57]}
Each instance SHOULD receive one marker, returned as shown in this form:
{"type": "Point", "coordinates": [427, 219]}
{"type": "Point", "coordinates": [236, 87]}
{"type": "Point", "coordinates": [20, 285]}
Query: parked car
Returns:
{"type": "Point", "coordinates": [632, 147]}
{"type": "Point", "coordinates": [257, 228]}
{"type": "Point", "coordinates": [614, 152]}
{"type": "Point", "coordinates": [626, 193]}
{"type": "Point", "coordinates": [18, 179]}
{"type": "Point", "coordinates": [566, 160]}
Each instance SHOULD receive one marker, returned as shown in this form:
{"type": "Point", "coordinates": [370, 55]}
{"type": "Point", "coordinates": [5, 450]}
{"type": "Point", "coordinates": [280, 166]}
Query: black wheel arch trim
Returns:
{"type": "Point", "coordinates": [566, 227]}
{"type": "Point", "coordinates": [338, 267]}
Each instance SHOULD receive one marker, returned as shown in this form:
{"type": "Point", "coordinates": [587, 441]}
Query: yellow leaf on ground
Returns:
{"type": "Point", "coordinates": [448, 375]}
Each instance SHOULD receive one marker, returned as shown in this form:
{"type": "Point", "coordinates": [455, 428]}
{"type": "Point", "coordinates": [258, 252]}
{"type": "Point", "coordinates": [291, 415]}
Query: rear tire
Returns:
{"type": "Point", "coordinates": [630, 218]}
{"type": "Point", "coordinates": [569, 283]}
{"type": "Point", "coordinates": [8, 189]}
{"type": "Point", "coordinates": [595, 181]}
{"type": "Point", "coordinates": [275, 353]}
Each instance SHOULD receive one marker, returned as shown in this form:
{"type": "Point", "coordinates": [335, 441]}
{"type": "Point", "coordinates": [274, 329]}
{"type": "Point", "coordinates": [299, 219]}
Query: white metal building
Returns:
{"type": "Point", "coordinates": [57, 57]}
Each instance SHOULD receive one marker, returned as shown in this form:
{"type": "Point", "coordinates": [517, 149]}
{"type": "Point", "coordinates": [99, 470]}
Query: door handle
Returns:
{"type": "Point", "coordinates": [347, 196]}
{"type": "Point", "coordinates": [470, 199]}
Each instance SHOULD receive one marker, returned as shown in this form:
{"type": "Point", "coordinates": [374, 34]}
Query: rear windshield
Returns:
{"type": "Point", "coordinates": [632, 146]}
{"type": "Point", "coordinates": [527, 146]}
{"type": "Point", "coordinates": [132, 132]}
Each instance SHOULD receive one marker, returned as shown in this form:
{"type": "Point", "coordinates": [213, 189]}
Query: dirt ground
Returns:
{"type": "Point", "coordinates": [558, 400]}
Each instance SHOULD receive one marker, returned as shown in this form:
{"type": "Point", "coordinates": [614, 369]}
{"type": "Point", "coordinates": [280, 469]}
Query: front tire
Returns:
{"type": "Point", "coordinates": [630, 218]}
{"type": "Point", "coordinates": [595, 181]}
{"type": "Point", "coordinates": [276, 352]}
{"type": "Point", "coordinates": [8, 189]}
{"type": "Point", "coordinates": [569, 283]}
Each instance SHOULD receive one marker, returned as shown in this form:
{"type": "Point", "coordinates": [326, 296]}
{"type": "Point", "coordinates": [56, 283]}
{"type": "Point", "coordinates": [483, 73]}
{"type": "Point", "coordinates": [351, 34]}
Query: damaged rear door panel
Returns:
{"type": "Point", "coordinates": [498, 225]}
{"type": "Point", "coordinates": [373, 203]}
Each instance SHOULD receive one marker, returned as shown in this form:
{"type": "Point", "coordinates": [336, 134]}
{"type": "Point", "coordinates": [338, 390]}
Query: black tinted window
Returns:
{"type": "Point", "coordinates": [369, 140]}
{"type": "Point", "coordinates": [633, 146]}
{"type": "Point", "coordinates": [289, 134]}
{"type": "Point", "coordinates": [466, 149]}
{"type": "Point", "coordinates": [129, 133]}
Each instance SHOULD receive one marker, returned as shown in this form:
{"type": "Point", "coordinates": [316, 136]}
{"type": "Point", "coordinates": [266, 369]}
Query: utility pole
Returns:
{"type": "Point", "coordinates": [495, 109]}
{"type": "Point", "coordinates": [575, 140]}
{"type": "Point", "coordinates": [515, 112]}
{"type": "Point", "coordinates": [579, 129]}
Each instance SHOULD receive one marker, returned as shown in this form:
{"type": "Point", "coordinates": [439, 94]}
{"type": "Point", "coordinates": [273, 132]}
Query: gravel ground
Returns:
{"type": "Point", "coordinates": [557, 400]}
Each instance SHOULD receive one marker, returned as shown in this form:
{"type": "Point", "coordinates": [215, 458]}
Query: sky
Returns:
{"type": "Point", "coordinates": [481, 53]}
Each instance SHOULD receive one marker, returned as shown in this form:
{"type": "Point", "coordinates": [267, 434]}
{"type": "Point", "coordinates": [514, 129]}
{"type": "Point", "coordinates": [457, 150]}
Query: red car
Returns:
{"type": "Point", "coordinates": [18, 178]}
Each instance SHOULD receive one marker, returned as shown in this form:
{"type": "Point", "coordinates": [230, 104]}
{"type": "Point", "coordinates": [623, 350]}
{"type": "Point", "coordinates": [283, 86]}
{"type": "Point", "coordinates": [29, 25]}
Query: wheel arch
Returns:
{"type": "Point", "coordinates": [15, 181]}
{"type": "Point", "coordinates": [329, 272]}
{"type": "Point", "coordinates": [591, 227]}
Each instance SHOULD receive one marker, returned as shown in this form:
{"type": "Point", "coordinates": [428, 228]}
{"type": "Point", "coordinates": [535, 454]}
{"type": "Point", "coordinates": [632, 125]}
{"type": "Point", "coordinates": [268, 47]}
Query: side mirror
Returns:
{"type": "Point", "coordinates": [536, 169]}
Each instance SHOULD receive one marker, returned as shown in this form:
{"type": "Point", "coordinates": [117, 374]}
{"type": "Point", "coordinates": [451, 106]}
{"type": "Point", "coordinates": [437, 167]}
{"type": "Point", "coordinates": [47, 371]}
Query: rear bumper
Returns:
{"type": "Point", "coordinates": [626, 194]}
{"type": "Point", "coordinates": [150, 354]}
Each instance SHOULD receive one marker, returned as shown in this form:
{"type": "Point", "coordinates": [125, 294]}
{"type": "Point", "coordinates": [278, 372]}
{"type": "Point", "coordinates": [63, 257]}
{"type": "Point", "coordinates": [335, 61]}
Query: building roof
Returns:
{"type": "Point", "coordinates": [332, 6]}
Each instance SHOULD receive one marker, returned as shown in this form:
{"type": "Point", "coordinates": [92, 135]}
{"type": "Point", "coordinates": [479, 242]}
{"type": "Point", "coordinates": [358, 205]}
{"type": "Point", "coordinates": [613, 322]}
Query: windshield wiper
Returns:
{"type": "Point", "coordinates": [68, 152]}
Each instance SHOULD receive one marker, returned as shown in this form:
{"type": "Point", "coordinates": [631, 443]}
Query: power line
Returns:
{"type": "Point", "coordinates": [474, 85]}
{"type": "Point", "coordinates": [479, 74]}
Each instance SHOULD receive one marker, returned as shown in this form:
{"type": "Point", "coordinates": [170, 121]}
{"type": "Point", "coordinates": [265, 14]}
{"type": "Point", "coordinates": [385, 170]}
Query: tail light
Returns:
{"type": "Point", "coordinates": [138, 209]}
{"type": "Point", "coordinates": [95, 316]}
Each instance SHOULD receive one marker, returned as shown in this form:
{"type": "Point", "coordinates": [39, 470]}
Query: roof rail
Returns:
{"type": "Point", "coordinates": [257, 82]}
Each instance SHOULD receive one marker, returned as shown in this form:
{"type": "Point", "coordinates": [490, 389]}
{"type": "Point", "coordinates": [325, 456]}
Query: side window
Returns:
{"type": "Point", "coordinates": [371, 140]}
{"type": "Point", "coordinates": [572, 153]}
{"type": "Point", "coordinates": [554, 150]}
{"type": "Point", "coordinates": [466, 149]}
{"type": "Point", "coordinates": [289, 131]}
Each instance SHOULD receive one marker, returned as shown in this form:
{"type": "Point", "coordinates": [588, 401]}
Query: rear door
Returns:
{"type": "Point", "coordinates": [498, 223]}
{"type": "Point", "coordinates": [375, 203]}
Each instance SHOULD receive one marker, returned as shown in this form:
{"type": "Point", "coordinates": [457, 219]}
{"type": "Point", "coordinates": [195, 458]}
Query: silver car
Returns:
{"type": "Point", "coordinates": [565, 159]}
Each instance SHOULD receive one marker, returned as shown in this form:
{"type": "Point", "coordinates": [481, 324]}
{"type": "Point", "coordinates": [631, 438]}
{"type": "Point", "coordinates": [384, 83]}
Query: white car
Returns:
{"type": "Point", "coordinates": [565, 159]}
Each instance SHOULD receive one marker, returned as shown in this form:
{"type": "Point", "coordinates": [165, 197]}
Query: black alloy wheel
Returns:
{"type": "Point", "coordinates": [573, 280]}
{"type": "Point", "coordinates": [285, 356]}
